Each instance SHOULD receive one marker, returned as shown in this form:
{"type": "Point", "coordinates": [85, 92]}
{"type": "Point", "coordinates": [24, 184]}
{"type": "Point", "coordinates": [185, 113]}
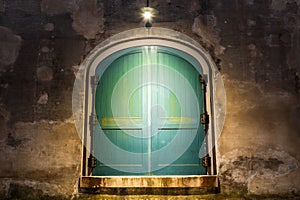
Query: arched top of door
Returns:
{"type": "Point", "coordinates": [181, 44]}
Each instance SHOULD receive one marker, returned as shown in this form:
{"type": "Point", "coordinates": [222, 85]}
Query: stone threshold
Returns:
{"type": "Point", "coordinates": [202, 184]}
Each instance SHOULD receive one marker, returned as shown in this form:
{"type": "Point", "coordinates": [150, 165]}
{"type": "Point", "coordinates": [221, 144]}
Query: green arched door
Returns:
{"type": "Point", "coordinates": [148, 103]}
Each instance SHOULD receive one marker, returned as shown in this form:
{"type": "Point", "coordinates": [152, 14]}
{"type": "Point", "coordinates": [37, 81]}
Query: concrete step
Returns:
{"type": "Point", "coordinates": [124, 185]}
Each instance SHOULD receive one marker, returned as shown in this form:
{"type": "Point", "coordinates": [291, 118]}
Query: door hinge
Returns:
{"type": "Point", "coordinates": [94, 80]}
{"type": "Point", "coordinates": [93, 119]}
{"type": "Point", "coordinates": [206, 161]}
{"type": "Point", "coordinates": [94, 83]}
{"type": "Point", "coordinates": [201, 79]}
{"type": "Point", "coordinates": [204, 119]}
{"type": "Point", "coordinates": [92, 162]}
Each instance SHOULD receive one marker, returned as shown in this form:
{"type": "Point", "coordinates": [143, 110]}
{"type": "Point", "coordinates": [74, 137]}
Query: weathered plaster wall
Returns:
{"type": "Point", "coordinates": [254, 43]}
{"type": "Point", "coordinates": [258, 146]}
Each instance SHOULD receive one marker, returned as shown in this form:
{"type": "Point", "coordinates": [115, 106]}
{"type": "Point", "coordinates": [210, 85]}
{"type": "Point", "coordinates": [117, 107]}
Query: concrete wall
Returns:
{"type": "Point", "coordinates": [254, 43]}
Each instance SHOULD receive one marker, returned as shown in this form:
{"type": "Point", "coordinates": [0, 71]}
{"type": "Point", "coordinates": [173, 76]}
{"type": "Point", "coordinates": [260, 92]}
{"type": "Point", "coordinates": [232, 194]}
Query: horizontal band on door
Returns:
{"type": "Point", "coordinates": [178, 165]}
{"type": "Point", "coordinates": [138, 123]}
{"type": "Point", "coordinates": [121, 165]}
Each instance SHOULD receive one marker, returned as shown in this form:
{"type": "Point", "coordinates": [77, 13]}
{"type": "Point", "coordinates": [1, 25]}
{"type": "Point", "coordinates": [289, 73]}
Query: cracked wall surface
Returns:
{"type": "Point", "coordinates": [255, 45]}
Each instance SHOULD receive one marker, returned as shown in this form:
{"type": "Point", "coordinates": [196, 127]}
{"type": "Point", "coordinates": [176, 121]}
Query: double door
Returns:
{"type": "Point", "coordinates": [148, 104]}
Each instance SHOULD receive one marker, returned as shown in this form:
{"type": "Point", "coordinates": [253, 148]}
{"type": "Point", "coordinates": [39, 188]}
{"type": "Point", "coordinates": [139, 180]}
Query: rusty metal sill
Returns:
{"type": "Point", "coordinates": [149, 184]}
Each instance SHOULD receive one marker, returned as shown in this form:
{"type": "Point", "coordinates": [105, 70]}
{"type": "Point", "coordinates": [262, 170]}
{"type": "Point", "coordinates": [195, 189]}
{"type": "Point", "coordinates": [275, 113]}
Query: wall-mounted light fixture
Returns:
{"type": "Point", "coordinates": [148, 14]}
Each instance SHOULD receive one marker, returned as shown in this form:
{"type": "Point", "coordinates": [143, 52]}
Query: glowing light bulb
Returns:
{"type": "Point", "coordinates": [147, 15]}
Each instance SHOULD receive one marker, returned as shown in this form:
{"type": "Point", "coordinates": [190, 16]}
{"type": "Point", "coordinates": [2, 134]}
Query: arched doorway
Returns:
{"type": "Point", "coordinates": [148, 102]}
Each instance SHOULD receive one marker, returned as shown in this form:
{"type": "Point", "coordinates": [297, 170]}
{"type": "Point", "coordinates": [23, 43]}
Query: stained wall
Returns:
{"type": "Point", "coordinates": [255, 45]}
